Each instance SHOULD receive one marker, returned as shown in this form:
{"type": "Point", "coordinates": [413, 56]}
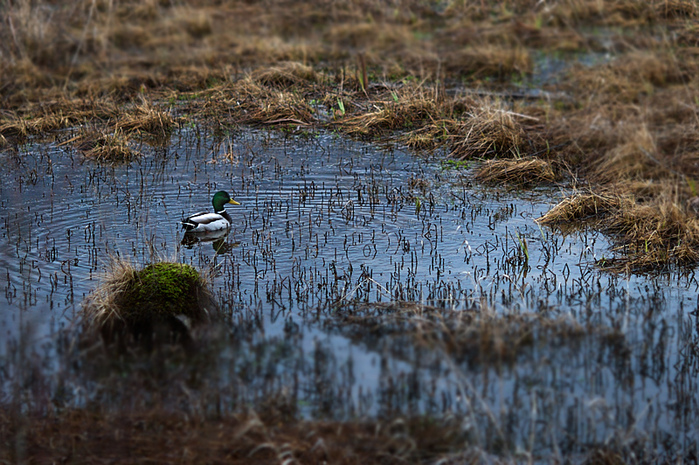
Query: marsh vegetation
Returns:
{"type": "Point", "coordinates": [468, 231]}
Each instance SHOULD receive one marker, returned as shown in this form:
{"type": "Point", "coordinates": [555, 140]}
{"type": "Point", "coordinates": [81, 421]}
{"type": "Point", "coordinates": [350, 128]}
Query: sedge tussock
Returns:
{"type": "Point", "coordinates": [683, 9]}
{"type": "Point", "coordinates": [250, 102]}
{"type": "Point", "coordinates": [137, 302]}
{"type": "Point", "coordinates": [376, 40]}
{"type": "Point", "coordinates": [15, 127]}
{"type": "Point", "coordinates": [489, 60]}
{"type": "Point", "coordinates": [521, 172]}
{"type": "Point", "coordinates": [583, 207]}
{"type": "Point", "coordinates": [286, 74]}
{"type": "Point", "coordinates": [101, 307]}
{"type": "Point", "coordinates": [646, 235]}
{"type": "Point", "coordinates": [105, 147]}
{"type": "Point", "coordinates": [406, 112]}
{"type": "Point", "coordinates": [627, 79]}
{"type": "Point", "coordinates": [663, 232]}
{"type": "Point", "coordinates": [148, 119]}
{"type": "Point", "coordinates": [632, 160]}
{"type": "Point", "coordinates": [54, 114]}
{"type": "Point", "coordinates": [489, 131]}
{"type": "Point", "coordinates": [197, 22]}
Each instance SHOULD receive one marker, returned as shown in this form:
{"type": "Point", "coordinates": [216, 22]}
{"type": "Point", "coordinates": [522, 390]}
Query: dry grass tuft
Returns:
{"type": "Point", "coordinates": [481, 61]}
{"type": "Point", "coordinates": [677, 9]}
{"type": "Point", "coordinates": [521, 172]}
{"type": "Point", "coordinates": [101, 309]}
{"type": "Point", "coordinates": [286, 74]}
{"type": "Point", "coordinates": [414, 107]}
{"type": "Point", "coordinates": [15, 128]}
{"type": "Point", "coordinates": [654, 235]}
{"type": "Point", "coordinates": [42, 118]}
{"type": "Point", "coordinates": [628, 79]}
{"type": "Point", "coordinates": [112, 148]}
{"type": "Point", "coordinates": [489, 131]}
{"type": "Point", "coordinates": [585, 207]}
{"type": "Point", "coordinates": [649, 236]}
{"type": "Point", "coordinates": [146, 118]}
{"type": "Point", "coordinates": [249, 102]}
{"type": "Point", "coordinates": [632, 159]}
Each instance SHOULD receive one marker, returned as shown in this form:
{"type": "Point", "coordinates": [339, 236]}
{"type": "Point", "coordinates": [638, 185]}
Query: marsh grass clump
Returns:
{"type": "Point", "coordinates": [520, 172]}
{"type": "Point", "coordinates": [40, 120]}
{"type": "Point", "coordinates": [653, 236]}
{"type": "Point", "coordinates": [250, 102]}
{"type": "Point", "coordinates": [148, 119]}
{"type": "Point", "coordinates": [489, 131]}
{"type": "Point", "coordinates": [286, 74]}
{"type": "Point", "coordinates": [163, 297]}
{"type": "Point", "coordinates": [584, 207]}
{"type": "Point", "coordinates": [413, 108]}
{"type": "Point", "coordinates": [483, 61]}
{"type": "Point", "coordinates": [648, 235]}
{"type": "Point", "coordinates": [105, 147]}
{"type": "Point", "coordinates": [15, 128]}
{"type": "Point", "coordinates": [631, 160]}
{"type": "Point", "coordinates": [481, 337]}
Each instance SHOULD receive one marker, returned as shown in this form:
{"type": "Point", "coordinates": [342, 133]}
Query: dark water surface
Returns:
{"type": "Point", "coordinates": [326, 222]}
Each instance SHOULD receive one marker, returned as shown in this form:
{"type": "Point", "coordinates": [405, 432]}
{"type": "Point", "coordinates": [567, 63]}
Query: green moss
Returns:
{"type": "Point", "coordinates": [161, 290]}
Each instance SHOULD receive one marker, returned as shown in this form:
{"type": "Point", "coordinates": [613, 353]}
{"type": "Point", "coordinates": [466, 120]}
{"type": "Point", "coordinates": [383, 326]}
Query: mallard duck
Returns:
{"type": "Point", "coordinates": [220, 220]}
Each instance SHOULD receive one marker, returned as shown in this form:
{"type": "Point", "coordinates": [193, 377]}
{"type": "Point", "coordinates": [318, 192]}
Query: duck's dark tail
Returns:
{"type": "Point", "coordinates": [188, 225]}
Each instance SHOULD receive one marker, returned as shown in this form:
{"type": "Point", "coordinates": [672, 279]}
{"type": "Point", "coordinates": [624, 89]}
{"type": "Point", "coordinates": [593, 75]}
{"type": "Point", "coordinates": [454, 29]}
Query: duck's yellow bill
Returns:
{"type": "Point", "coordinates": [233, 202]}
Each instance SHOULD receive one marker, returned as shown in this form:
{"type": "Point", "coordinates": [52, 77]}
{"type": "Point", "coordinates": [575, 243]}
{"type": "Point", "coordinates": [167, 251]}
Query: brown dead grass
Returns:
{"type": "Point", "coordinates": [105, 147]}
{"type": "Point", "coordinates": [490, 131]}
{"type": "Point", "coordinates": [287, 74]}
{"type": "Point", "coordinates": [520, 172]}
{"type": "Point", "coordinates": [147, 118]}
{"type": "Point", "coordinates": [648, 236]}
{"type": "Point", "coordinates": [584, 207]}
{"type": "Point", "coordinates": [482, 61]}
{"type": "Point", "coordinates": [406, 111]}
{"type": "Point", "coordinates": [166, 437]}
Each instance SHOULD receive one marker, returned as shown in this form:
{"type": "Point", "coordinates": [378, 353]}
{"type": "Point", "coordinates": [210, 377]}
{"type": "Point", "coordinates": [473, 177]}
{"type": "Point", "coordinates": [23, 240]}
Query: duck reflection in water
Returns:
{"type": "Point", "coordinates": [218, 240]}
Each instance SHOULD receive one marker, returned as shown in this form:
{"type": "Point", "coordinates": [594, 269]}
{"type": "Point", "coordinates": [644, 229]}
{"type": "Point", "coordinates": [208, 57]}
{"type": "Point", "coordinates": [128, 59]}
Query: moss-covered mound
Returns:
{"type": "Point", "coordinates": [163, 289]}
{"type": "Point", "coordinates": [161, 301]}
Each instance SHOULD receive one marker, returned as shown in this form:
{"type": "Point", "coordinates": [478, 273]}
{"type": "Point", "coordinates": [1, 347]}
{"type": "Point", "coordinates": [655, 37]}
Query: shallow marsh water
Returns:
{"type": "Point", "coordinates": [326, 223]}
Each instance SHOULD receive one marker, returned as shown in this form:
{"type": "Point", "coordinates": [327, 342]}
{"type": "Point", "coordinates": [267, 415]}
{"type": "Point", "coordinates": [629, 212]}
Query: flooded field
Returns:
{"type": "Point", "coordinates": [358, 282]}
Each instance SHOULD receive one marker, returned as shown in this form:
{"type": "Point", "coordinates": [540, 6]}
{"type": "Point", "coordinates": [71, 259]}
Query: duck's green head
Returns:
{"type": "Point", "coordinates": [220, 199]}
